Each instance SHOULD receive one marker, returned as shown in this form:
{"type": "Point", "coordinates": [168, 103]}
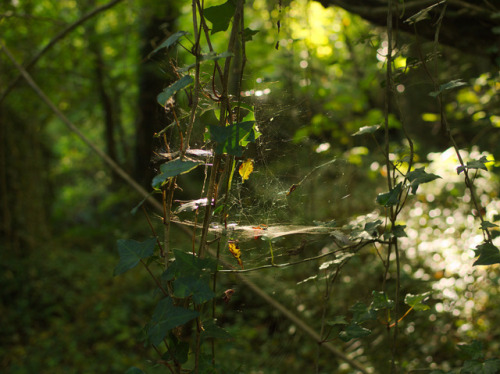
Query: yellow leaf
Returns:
{"type": "Point", "coordinates": [235, 251]}
{"type": "Point", "coordinates": [246, 169]}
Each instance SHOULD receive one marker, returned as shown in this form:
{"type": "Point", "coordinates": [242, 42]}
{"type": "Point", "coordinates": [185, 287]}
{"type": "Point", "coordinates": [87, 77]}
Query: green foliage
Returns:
{"type": "Point", "coordinates": [168, 92]}
{"type": "Point", "coordinates": [165, 317]}
{"type": "Point", "coordinates": [390, 198]}
{"type": "Point", "coordinates": [220, 15]}
{"type": "Point", "coordinates": [232, 139]}
{"type": "Point", "coordinates": [448, 86]}
{"type": "Point", "coordinates": [172, 169]}
{"type": "Point", "coordinates": [132, 252]}
{"type": "Point", "coordinates": [419, 176]}
{"type": "Point", "coordinates": [474, 164]}
{"type": "Point", "coordinates": [171, 40]}
{"type": "Point", "coordinates": [417, 301]}
{"type": "Point", "coordinates": [488, 254]}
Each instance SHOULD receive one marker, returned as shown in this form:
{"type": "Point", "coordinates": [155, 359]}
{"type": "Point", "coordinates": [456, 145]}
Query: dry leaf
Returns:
{"type": "Point", "coordinates": [235, 251]}
{"type": "Point", "coordinates": [246, 169]}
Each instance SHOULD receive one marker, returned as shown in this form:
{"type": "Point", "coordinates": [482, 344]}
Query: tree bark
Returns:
{"type": "Point", "coordinates": [468, 25]}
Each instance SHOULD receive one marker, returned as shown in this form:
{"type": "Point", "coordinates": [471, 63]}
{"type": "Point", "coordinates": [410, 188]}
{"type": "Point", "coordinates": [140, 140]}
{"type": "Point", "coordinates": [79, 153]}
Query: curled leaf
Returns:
{"type": "Point", "coordinates": [235, 251]}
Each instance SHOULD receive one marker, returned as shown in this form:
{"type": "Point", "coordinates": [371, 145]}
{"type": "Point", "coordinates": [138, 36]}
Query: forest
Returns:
{"type": "Point", "coordinates": [250, 186]}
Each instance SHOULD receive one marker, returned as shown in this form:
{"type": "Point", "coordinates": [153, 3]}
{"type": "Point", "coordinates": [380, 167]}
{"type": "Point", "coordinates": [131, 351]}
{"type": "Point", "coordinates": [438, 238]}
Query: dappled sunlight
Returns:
{"type": "Point", "coordinates": [442, 233]}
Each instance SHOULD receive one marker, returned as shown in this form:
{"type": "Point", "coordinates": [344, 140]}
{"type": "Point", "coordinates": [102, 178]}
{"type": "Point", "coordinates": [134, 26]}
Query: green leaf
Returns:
{"type": "Point", "coordinates": [132, 252]}
{"type": "Point", "coordinates": [248, 34]}
{"type": "Point", "coordinates": [448, 86]}
{"type": "Point", "coordinates": [172, 169]}
{"type": "Point", "coordinates": [338, 320]}
{"type": "Point", "coordinates": [354, 331]}
{"type": "Point", "coordinates": [473, 351]}
{"type": "Point", "coordinates": [416, 301]}
{"type": "Point", "coordinates": [192, 285]}
{"type": "Point", "coordinates": [134, 370]}
{"type": "Point", "coordinates": [171, 40]}
{"type": "Point", "coordinates": [233, 138]}
{"type": "Point", "coordinates": [492, 366]}
{"type": "Point", "coordinates": [421, 15]}
{"type": "Point", "coordinates": [381, 301]}
{"type": "Point", "coordinates": [177, 350]}
{"type": "Point", "coordinates": [220, 15]}
{"type": "Point", "coordinates": [166, 316]}
{"type": "Point", "coordinates": [419, 176]}
{"type": "Point", "coordinates": [366, 130]}
{"type": "Point", "coordinates": [487, 225]}
{"type": "Point", "coordinates": [168, 92]}
{"type": "Point", "coordinates": [371, 227]}
{"type": "Point", "coordinates": [475, 164]}
{"type": "Point", "coordinates": [399, 231]}
{"type": "Point", "coordinates": [488, 254]}
{"type": "Point", "coordinates": [362, 313]}
{"type": "Point", "coordinates": [186, 264]}
{"type": "Point", "coordinates": [212, 331]}
{"type": "Point", "coordinates": [390, 198]}
{"type": "Point", "coordinates": [476, 367]}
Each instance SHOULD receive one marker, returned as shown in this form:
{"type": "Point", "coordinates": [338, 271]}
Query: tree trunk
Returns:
{"type": "Point", "coordinates": [158, 21]}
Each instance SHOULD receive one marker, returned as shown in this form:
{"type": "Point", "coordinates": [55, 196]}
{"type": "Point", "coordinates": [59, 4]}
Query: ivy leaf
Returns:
{"type": "Point", "coordinates": [171, 40]}
{"type": "Point", "coordinates": [245, 169]}
{"type": "Point", "coordinates": [166, 316]}
{"type": "Point", "coordinates": [173, 168]}
{"type": "Point", "coordinates": [488, 254]}
{"type": "Point", "coordinates": [231, 139]}
{"type": "Point", "coordinates": [390, 198]}
{"type": "Point", "coordinates": [448, 86]}
{"type": "Point", "coordinates": [168, 92]}
{"type": "Point", "coordinates": [371, 227]}
{"type": "Point", "coordinates": [416, 301]}
{"type": "Point", "coordinates": [211, 330]}
{"type": "Point", "coordinates": [474, 350]}
{"type": "Point", "coordinates": [354, 331]}
{"type": "Point", "coordinates": [178, 350]}
{"type": "Point", "coordinates": [186, 264]}
{"type": "Point", "coordinates": [474, 164]}
{"type": "Point", "coordinates": [220, 15]}
{"type": "Point", "coordinates": [421, 15]}
{"type": "Point", "coordinates": [248, 34]}
{"type": "Point", "coordinates": [195, 286]}
{"type": "Point", "coordinates": [132, 252]}
{"type": "Point", "coordinates": [476, 367]}
{"type": "Point", "coordinates": [419, 176]}
{"type": "Point", "coordinates": [487, 225]}
{"type": "Point", "coordinates": [381, 301]}
{"type": "Point", "coordinates": [362, 313]}
{"type": "Point", "coordinates": [366, 130]}
{"type": "Point", "coordinates": [399, 231]}
{"type": "Point", "coordinates": [338, 320]}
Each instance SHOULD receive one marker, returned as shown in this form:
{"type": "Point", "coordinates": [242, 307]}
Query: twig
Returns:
{"type": "Point", "coordinates": [269, 266]}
